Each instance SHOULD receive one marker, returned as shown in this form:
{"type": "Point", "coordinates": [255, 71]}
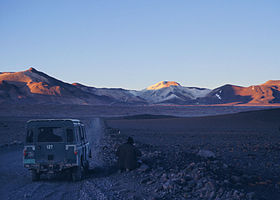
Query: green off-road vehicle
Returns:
{"type": "Point", "coordinates": [56, 145]}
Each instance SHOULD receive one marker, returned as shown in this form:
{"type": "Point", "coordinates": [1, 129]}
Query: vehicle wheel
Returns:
{"type": "Point", "coordinates": [86, 166]}
{"type": "Point", "coordinates": [68, 174]}
{"type": "Point", "coordinates": [35, 175]}
{"type": "Point", "coordinates": [77, 174]}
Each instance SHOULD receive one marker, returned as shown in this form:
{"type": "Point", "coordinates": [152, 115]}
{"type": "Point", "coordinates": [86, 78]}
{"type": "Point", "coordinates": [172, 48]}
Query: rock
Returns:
{"type": "Point", "coordinates": [235, 179]}
{"type": "Point", "coordinates": [164, 177]}
{"type": "Point", "coordinates": [206, 154]}
{"type": "Point", "coordinates": [191, 166]}
{"type": "Point", "coordinates": [212, 195]}
{"type": "Point", "coordinates": [150, 182]}
{"type": "Point", "coordinates": [143, 168]}
{"type": "Point", "coordinates": [226, 181]}
{"type": "Point", "coordinates": [187, 189]}
{"type": "Point", "coordinates": [235, 193]}
{"type": "Point", "coordinates": [145, 180]}
{"type": "Point", "coordinates": [187, 178]}
{"type": "Point", "coordinates": [191, 183]}
{"type": "Point", "coordinates": [167, 185]}
{"type": "Point", "coordinates": [251, 195]}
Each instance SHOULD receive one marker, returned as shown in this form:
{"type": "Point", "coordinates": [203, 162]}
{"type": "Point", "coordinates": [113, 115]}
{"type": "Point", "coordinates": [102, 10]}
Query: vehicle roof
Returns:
{"type": "Point", "coordinates": [54, 120]}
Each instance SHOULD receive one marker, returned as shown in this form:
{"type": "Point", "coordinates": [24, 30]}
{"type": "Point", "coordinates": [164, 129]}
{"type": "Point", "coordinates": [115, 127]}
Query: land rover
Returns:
{"type": "Point", "coordinates": [56, 145]}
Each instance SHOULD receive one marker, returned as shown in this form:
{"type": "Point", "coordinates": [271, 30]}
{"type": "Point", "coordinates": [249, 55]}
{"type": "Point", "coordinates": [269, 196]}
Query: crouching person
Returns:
{"type": "Point", "coordinates": [128, 155]}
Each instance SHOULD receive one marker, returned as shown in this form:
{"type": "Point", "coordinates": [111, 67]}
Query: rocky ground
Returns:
{"type": "Point", "coordinates": [175, 174]}
{"type": "Point", "coordinates": [223, 157]}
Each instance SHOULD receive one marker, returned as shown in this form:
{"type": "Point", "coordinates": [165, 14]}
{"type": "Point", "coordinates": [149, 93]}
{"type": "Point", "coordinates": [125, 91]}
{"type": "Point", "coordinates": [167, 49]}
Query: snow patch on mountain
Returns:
{"type": "Point", "coordinates": [218, 96]}
{"type": "Point", "coordinates": [171, 90]}
{"type": "Point", "coordinates": [162, 84]}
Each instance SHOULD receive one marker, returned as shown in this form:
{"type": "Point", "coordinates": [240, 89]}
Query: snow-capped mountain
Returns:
{"type": "Point", "coordinates": [171, 92]}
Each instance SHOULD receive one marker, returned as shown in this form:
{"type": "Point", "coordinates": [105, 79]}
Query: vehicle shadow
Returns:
{"type": "Point", "coordinates": [96, 172]}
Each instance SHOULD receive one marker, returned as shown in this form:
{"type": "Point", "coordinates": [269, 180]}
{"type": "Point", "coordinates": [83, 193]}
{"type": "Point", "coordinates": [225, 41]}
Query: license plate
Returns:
{"type": "Point", "coordinates": [49, 146]}
{"type": "Point", "coordinates": [29, 161]}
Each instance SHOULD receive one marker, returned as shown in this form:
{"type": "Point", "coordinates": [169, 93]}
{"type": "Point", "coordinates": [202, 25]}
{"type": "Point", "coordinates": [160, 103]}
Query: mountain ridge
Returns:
{"type": "Point", "coordinates": [34, 87]}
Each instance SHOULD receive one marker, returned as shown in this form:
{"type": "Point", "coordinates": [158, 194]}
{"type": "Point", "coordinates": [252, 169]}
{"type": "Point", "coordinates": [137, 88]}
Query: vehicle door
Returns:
{"type": "Point", "coordinates": [72, 140]}
{"type": "Point", "coordinates": [86, 143]}
{"type": "Point", "coordinates": [83, 141]}
{"type": "Point", "coordinates": [50, 146]}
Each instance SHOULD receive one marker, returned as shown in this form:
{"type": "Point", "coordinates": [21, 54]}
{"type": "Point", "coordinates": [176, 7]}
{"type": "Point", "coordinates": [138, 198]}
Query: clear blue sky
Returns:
{"type": "Point", "coordinates": [133, 44]}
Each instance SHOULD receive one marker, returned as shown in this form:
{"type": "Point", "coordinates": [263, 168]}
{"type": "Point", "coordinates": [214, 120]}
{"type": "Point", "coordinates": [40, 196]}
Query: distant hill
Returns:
{"type": "Point", "coordinates": [35, 87]}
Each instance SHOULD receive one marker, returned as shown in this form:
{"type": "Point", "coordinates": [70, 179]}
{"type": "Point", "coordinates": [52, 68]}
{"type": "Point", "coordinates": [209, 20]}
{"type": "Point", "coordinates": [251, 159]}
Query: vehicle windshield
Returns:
{"type": "Point", "coordinates": [50, 134]}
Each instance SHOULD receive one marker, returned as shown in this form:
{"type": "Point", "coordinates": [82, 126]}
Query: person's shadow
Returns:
{"type": "Point", "coordinates": [101, 171]}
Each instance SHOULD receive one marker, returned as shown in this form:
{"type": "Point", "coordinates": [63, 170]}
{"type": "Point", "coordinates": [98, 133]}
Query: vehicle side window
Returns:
{"type": "Point", "coordinates": [77, 133]}
{"type": "Point", "coordinates": [85, 134]}
{"type": "Point", "coordinates": [81, 133]}
{"type": "Point", "coordinates": [70, 135]}
{"type": "Point", "coordinates": [29, 136]}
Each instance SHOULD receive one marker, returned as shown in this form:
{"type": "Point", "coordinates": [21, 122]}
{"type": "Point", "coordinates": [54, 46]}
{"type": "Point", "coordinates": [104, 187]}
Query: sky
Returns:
{"type": "Point", "coordinates": [133, 44]}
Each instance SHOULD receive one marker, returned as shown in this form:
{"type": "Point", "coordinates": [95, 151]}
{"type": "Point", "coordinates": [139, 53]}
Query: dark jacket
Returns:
{"type": "Point", "coordinates": [127, 156]}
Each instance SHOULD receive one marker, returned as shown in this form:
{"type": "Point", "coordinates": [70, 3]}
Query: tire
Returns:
{"type": "Point", "coordinates": [86, 167]}
{"type": "Point", "coordinates": [35, 175]}
{"type": "Point", "coordinates": [77, 174]}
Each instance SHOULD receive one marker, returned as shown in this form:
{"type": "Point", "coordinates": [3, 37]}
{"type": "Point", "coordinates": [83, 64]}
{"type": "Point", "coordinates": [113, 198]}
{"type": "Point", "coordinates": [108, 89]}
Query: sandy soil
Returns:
{"type": "Point", "coordinates": [15, 110]}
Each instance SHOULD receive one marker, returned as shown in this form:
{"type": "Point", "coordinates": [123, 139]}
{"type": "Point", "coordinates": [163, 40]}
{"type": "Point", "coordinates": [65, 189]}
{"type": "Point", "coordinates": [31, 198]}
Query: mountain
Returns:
{"type": "Point", "coordinates": [35, 87]}
{"type": "Point", "coordinates": [267, 93]}
{"type": "Point", "coordinates": [172, 92]}
{"type": "Point", "coordinates": [118, 94]}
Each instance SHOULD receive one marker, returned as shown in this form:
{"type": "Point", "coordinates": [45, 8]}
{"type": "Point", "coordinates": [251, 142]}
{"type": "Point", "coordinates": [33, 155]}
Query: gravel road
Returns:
{"type": "Point", "coordinates": [101, 183]}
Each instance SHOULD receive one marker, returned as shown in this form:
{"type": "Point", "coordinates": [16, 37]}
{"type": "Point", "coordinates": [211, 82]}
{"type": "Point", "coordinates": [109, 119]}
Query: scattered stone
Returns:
{"type": "Point", "coordinates": [206, 154]}
{"type": "Point", "coordinates": [173, 174]}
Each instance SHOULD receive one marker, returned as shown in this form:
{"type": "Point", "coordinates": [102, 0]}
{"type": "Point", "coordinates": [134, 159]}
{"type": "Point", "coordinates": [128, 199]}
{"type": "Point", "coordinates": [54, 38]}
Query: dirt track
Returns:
{"type": "Point", "coordinates": [103, 181]}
